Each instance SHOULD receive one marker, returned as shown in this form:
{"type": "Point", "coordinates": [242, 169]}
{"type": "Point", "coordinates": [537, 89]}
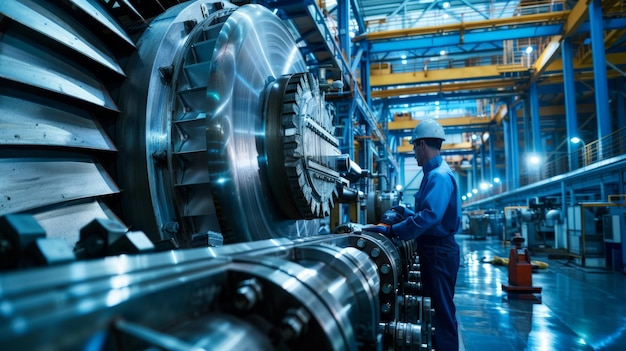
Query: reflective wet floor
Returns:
{"type": "Point", "coordinates": [578, 309]}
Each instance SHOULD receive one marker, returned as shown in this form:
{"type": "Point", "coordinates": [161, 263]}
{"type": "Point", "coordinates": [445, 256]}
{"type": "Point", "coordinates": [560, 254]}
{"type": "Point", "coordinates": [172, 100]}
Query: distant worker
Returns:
{"type": "Point", "coordinates": [436, 220]}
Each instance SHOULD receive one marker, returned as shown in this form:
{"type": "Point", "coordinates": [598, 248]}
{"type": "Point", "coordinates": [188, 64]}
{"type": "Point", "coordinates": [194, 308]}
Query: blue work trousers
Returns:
{"type": "Point", "coordinates": [439, 268]}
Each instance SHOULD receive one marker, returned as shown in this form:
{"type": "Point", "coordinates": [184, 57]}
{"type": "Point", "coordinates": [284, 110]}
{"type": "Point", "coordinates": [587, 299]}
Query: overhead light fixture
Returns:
{"type": "Point", "coordinates": [404, 62]}
{"type": "Point", "coordinates": [445, 4]}
{"type": "Point", "coordinates": [576, 140]}
{"type": "Point", "coordinates": [403, 56]}
{"type": "Point", "coordinates": [534, 160]}
{"type": "Point", "coordinates": [529, 50]}
{"type": "Point", "coordinates": [442, 52]}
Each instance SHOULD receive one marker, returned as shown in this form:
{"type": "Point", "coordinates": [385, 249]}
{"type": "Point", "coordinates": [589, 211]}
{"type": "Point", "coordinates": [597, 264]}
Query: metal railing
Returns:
{"type": "Point", "coordinates": [442, 16]}
{"type": "Point", "coordinates": [585, 154]}
{"type": "Point", "coordinates": [560, 162]}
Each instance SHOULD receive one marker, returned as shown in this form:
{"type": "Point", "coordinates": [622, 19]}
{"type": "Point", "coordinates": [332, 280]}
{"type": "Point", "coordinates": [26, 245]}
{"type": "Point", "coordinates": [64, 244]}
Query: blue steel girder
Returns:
{"type": "Point", "coordinates": [478, 36]}
{"type": "Point", "coordinates": [358, 17]}
{"type": "Point", "coordinates": [416, 99]}
{"type": "Point", "coordinates": [469, 37]}
{"type": "Point", "coordinates": [306, 18]}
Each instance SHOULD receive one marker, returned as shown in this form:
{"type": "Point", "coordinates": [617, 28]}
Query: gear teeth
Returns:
{"type": "Point", "coordinates": [303, 112]}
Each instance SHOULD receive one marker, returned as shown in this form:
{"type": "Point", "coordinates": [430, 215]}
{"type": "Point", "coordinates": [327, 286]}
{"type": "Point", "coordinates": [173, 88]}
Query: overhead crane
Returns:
{"type": "Point", "coordinates": [421, 84]}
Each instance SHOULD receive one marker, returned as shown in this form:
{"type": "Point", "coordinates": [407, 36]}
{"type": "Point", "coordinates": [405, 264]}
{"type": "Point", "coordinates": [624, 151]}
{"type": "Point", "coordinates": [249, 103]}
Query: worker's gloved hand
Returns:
{"type": "Point", "coordinates": [381, 229]}
{"type": "Point", "coordinates": [391, 217]}
{"type": "Point", "coordinates": [395, 215]}
{"type": "Point", "coordinates": [405, 212]}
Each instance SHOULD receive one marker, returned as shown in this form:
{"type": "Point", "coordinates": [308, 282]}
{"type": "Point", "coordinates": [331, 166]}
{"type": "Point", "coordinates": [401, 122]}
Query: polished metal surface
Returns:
{"type": "Point", "coordinates": [253, 49]}
{"type": "Point", "coordinates": [148, 292]}
{"type": "Point", "coordinates": [206, 129]}
{"type": "Point", "coordinates": [356, 283]}
{"type": "Point", "coordinates": [175, 128]}
{"type": "Point", "coordinates": [54, 106]}
{"type": "Point", "coordinates": [173, 142]}
{"type": "Point", "coordinates": [149, 133]}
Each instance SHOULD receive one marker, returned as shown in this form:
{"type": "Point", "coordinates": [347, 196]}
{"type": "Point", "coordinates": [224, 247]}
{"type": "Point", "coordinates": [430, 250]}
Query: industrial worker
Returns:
{"type": "Point", "coordinates": [437, 218]}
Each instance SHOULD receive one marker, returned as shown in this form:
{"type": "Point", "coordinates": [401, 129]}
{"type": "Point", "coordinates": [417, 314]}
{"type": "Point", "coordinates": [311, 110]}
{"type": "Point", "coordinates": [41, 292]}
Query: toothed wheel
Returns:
{"type": "Point", "coordinates": [303, 146]}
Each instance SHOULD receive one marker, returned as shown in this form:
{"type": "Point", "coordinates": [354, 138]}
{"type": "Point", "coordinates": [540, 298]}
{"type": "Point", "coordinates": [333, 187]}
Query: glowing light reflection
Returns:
{"type": "Point", "coordinates": [114, 297]}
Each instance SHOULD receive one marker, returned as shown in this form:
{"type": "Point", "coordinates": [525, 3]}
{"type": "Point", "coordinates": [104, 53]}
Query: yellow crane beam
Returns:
{"type": "Point", "coordinates": [445, 87]}
{"type": "Point", "coordinates": [438, 75]}
{"type": "Point", "coordinates": [461, 74]}
{"type": "Point", "coordinates": [577, 16]}
{"type": "Point", "coordinates": [408, 148]}
{"type": "Point", "coordinates": [409, 124]}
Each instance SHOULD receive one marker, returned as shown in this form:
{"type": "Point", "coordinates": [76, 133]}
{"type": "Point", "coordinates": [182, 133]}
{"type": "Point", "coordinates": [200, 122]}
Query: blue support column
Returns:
{"type": "Point", "coordinates": [621, 103]}
{"type": "Point", "coordinates": [514, 151]}
{"type": "Point", "coordinates": [492, 154]}
{"type": "Point", "coordinates": [401, 173]}
{"type": "Point", "coordinates": [534, 117]}
{"type": "Point", "coordinates": [348, 136]}
{"type": "Point", "coordinates": [599, 71]}
{"type": "Point", "coordinates": [571, 116]}
{"type": "Point", "coordinates": [526, 122]}
{"type": "Point", "coordinates": [482, 160]}
{"type": "Point", "coordinates": [474, 173]}
{"type": "Point", "coordinates": [357, 16]}
{"type": "Point", "coordinates": [365, 77]}
{"type": "Point", "coordinates": [508, 174]}
{"type": "Point", "coordinates": [343, 26]}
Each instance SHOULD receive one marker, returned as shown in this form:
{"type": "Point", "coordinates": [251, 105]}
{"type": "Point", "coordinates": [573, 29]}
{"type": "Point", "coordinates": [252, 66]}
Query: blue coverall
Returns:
{"type": "Point", "coordinates": [436, 220]}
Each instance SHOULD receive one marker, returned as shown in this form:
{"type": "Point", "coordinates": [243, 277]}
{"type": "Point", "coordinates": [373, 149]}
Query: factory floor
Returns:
{"type": "Point", "coordinates": [579, 308]}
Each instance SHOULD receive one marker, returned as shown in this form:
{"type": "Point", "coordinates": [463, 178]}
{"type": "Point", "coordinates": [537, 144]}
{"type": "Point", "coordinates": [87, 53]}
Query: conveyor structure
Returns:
{"type": "Point", "coordinates": [165, 169]}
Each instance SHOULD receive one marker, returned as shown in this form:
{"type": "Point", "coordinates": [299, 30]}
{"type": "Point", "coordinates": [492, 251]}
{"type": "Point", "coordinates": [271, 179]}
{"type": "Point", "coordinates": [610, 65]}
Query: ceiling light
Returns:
{"type": "Point", "coordinates": [575, 140]}
{"type": "Point", "coordinates": [404, 62]}
{"type": "Point", "coordinates": [529, 50]}
{"type": "Point", "coordinates": [446, 5]}
{"type": "Point", "coordinates": [442, 52]}
{"type": "Point", "coordinates": [534, 160]}
{"type": "Point", "coordinates": [403, 56]}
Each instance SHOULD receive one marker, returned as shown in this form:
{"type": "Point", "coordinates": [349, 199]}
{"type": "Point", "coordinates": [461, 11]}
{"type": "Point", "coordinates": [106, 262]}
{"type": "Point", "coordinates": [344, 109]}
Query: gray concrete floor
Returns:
{"type": "Point", "coordinates": [578, 309]}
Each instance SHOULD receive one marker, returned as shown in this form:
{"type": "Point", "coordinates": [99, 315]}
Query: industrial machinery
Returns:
{"type": "Point", "coordinates": [539, 223]}
{"type": "Point", "coordinates": [595, 233]}
{"type": "Point", "coordinates": [167, 166]}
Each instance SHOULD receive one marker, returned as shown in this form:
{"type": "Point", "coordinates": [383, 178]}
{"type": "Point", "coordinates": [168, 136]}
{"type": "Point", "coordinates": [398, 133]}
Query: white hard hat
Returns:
{"type": "Point", "coordinates": [428, 129]}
